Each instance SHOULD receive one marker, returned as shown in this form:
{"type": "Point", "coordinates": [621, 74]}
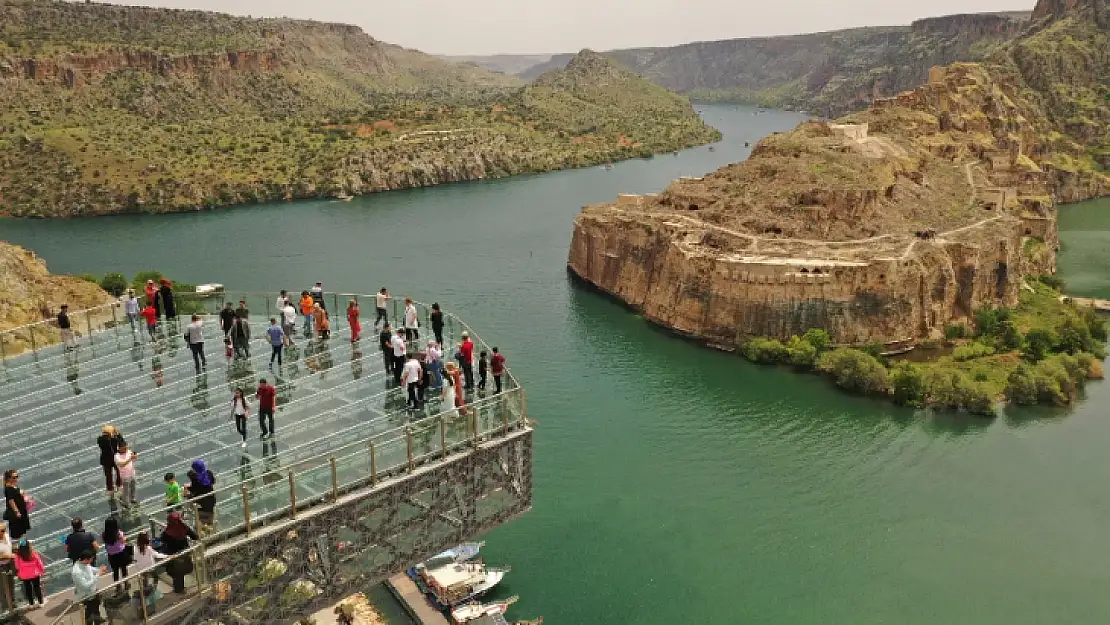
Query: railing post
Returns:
{"type": "Point", "coordinates": [3, 353]}
{"type": "Point", "coordinates": [34, 347]}
{"type": "Point", "coordinates": [115, 321]}
{"type": "Point", "coordinates": [246, 509]}
{"type": "Point", "coordinates": [443, 436]}
{"type": "Point", "coordinates": [292, 496]}
{"type": "Point", "coordinates": [373, 465]}
{"type": "Point", "coordinates": [408, 445]}
{"type": "Point", "coordinates": [334, 480]}
{"type": "Point", "coordinates": [142, 596]}
{"type": "Point", "coordinates": [504, 417]}
{"type": "Point", "coordinates": [88, 324]}
{"type": "Point", "coordinates": [472, 421]}
{"type": "Point", "coordinates": [200, 565]}
{"type": "Point", "coordinates": [523, 408]}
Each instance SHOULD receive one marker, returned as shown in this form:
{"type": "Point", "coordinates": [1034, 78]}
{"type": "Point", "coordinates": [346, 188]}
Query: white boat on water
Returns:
{"type": "Point", "coordinates": [457, 582]}
{"type": "Point", "coordinates": [208, 290]}
{"type": "Point", "coordinates": [474, 611]}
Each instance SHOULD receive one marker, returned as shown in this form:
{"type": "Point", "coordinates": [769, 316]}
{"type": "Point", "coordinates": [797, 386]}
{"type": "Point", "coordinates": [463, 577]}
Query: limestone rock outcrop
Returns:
{"type": "Point", "coordinates": [881, 227]}
{"type": "Point", "coordinates": [29, 293]}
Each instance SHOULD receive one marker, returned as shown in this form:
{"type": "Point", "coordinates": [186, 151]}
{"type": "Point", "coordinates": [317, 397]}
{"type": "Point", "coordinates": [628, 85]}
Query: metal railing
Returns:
{"type": "Point", "coordinates": [139, 596]}
{"type": "Point", "coordinates": [243, 507]}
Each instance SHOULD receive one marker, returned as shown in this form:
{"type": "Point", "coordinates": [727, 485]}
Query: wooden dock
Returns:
{"type": "Point", "coordinates": [414, 601]}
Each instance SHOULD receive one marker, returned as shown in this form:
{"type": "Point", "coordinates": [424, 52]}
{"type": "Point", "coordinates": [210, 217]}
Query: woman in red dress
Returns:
{"type": "Point", "coordinates": [352, 320]}
{"type": "Point", "coordinates": [456, 377]}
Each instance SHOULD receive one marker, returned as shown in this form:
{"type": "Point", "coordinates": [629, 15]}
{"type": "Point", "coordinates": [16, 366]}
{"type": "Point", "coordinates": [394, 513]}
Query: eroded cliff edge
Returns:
{"type": "Point", "coordinates": [882, 227]}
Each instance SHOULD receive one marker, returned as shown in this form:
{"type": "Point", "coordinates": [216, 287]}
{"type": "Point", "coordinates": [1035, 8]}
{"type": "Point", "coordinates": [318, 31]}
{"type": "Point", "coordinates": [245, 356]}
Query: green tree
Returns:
{"type": "Point", "coordinates": [1021, 386]}
{"type": "Point", "coordinates": [818, 338]}
{"type": "Point", "coordinates": [800, 352]}
{"type": "Point", "coordinates": [1038, 343]}
{"type": "Point", "coordinates": [907, 384]}
{"type": "Point", "coordinates": [114, 283]}
{"type": "Point", "coordinates": [854, 370]}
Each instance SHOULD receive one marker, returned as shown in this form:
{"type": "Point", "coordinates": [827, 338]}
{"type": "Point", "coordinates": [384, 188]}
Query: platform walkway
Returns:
{"type": "Point", "coordinates": [334, 399]}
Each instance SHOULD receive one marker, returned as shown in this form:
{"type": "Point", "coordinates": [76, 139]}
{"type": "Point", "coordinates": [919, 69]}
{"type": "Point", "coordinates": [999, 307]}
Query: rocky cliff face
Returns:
{"type": "Point", "coordinates": [29, 293]}
{"type": "Point", "coordinates": [882, 227]}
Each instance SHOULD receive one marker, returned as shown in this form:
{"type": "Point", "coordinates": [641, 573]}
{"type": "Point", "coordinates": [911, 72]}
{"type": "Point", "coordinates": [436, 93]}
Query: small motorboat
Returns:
{"type": "Point", "coordinates": [343, 197]}
{"type": "Point", "coordinates": [457, 582]}
{"type": "Point", "coordinates": [469, 612]}
{"type": "Point", "coordinates": [209, 290]}
{"type": "Point", "coordinates": [712, 149]}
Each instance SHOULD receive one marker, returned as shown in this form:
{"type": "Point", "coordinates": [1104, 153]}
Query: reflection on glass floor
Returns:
{"type": "Point", "coordinates": [330, 393]}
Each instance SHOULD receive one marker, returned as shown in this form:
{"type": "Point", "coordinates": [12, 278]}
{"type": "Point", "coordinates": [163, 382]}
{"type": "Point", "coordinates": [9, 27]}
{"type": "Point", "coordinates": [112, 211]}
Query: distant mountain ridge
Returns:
{"type": "Point", "coordinates": [825, 73]}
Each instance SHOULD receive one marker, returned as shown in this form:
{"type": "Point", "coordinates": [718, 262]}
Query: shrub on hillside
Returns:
{"type": "Point", "coordinates": [818, 338]}
{"type": "Point", "coordinates": [1038, 343]}
{"type": "Point", "coordinates": [1053, 282]}
{"type": "Point", "coordinates": [972, 351]}
{"type": "Point", "coordinates": [1021, 386]}
{"type": "Point", "coordinates": [955, 331]}
{"type": "Point", "coordinates": [765, 351]}
{"type": "Point", "coordinates": [854, 370]}
{"type": "Point", "coordinates": [956, 389]}
{"type": "Point", "coordinates": [800, 352]}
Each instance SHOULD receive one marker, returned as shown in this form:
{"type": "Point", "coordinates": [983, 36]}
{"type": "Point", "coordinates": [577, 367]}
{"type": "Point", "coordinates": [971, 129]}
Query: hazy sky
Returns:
{"type": "Point", "coordinates": [542, 26]}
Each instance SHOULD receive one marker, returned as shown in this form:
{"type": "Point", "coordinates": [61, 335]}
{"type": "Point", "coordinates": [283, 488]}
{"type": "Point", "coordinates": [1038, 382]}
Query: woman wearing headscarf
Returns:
{"type": "Point", "coordinates": [168, 305]}
{"type": "Point", "coordinates": [175, 539]}
{"type": "Point", "coordinates": [201, 484]}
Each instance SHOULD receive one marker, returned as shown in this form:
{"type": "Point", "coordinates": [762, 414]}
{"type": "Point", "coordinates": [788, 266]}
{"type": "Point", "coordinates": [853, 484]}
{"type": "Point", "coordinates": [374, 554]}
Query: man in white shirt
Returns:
{"type": "Point", "coordinates": [398, 344]}
{"type": "Point", "coordinates": [411, 321]}
{"type": "Point", "coordinates": [282, 300]}
{"type": "Point", "coordinates": [131, 308]}
{"type": "Point", "coordinates": [289, 321]}
{"type": "Point", "coordinates": [194, 334]}
{"type": "Point", "coordinates": [380, 301]}
{"type": "Point", "coordinates": [410, 378]}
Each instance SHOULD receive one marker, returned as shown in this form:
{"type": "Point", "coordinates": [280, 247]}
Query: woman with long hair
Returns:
{"type": "Point", "coordinates": [115, 543]}
{"type": "Point", "coordinates": [353, 320]}
{"type": "Point", "coordinates": [15, 506]}
{"type": "Point", "coordinates": [240, 410]}
{"type": "Point", "coordinates": [30, 569]}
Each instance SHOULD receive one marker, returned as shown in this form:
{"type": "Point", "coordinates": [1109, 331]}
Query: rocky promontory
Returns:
{"type": "Point", "coordinates": [882, 227]}
{"type": "Point", "coordinates": [29, 293]}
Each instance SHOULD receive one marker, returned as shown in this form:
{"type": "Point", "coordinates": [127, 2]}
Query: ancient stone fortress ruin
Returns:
{"type": "Point", "coordinates": [881, 228]}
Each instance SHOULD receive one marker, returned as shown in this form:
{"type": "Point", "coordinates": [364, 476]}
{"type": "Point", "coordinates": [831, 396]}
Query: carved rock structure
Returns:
{"type": "Point", "coordinates": [880, 228]}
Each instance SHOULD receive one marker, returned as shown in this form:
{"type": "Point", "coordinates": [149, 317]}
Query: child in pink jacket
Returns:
{"type": "Point", "coordinates": [29, 569]}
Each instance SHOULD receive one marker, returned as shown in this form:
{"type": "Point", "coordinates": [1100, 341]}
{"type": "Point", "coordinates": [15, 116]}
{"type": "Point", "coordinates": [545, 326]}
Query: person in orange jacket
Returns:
{"type": "Point", "coordinates": [307, 306]}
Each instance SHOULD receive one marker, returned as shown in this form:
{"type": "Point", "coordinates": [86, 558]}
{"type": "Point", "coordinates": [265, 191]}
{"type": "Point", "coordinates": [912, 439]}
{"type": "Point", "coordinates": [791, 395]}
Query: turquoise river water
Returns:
{"type": "Point", "coordinates": [675, 484]}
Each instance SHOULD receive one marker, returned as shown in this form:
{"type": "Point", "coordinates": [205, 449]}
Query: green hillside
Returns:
{"type": "Point", "coordinates": [109, 109]}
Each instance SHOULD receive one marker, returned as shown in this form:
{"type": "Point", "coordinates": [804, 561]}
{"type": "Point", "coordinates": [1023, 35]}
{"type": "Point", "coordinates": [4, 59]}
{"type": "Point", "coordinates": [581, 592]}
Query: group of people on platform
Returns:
{"type": "Point", "coordinates": [122, 558]}
{"type": "Point", "coordinates": [419, 370]}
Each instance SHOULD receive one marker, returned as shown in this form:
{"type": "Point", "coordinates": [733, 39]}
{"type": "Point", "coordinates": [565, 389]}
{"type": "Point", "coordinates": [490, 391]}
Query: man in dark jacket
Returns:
{"type": "Point", "coordinates": [227, 319]}
{"type": "Point", "coordinates": [385, 341]}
